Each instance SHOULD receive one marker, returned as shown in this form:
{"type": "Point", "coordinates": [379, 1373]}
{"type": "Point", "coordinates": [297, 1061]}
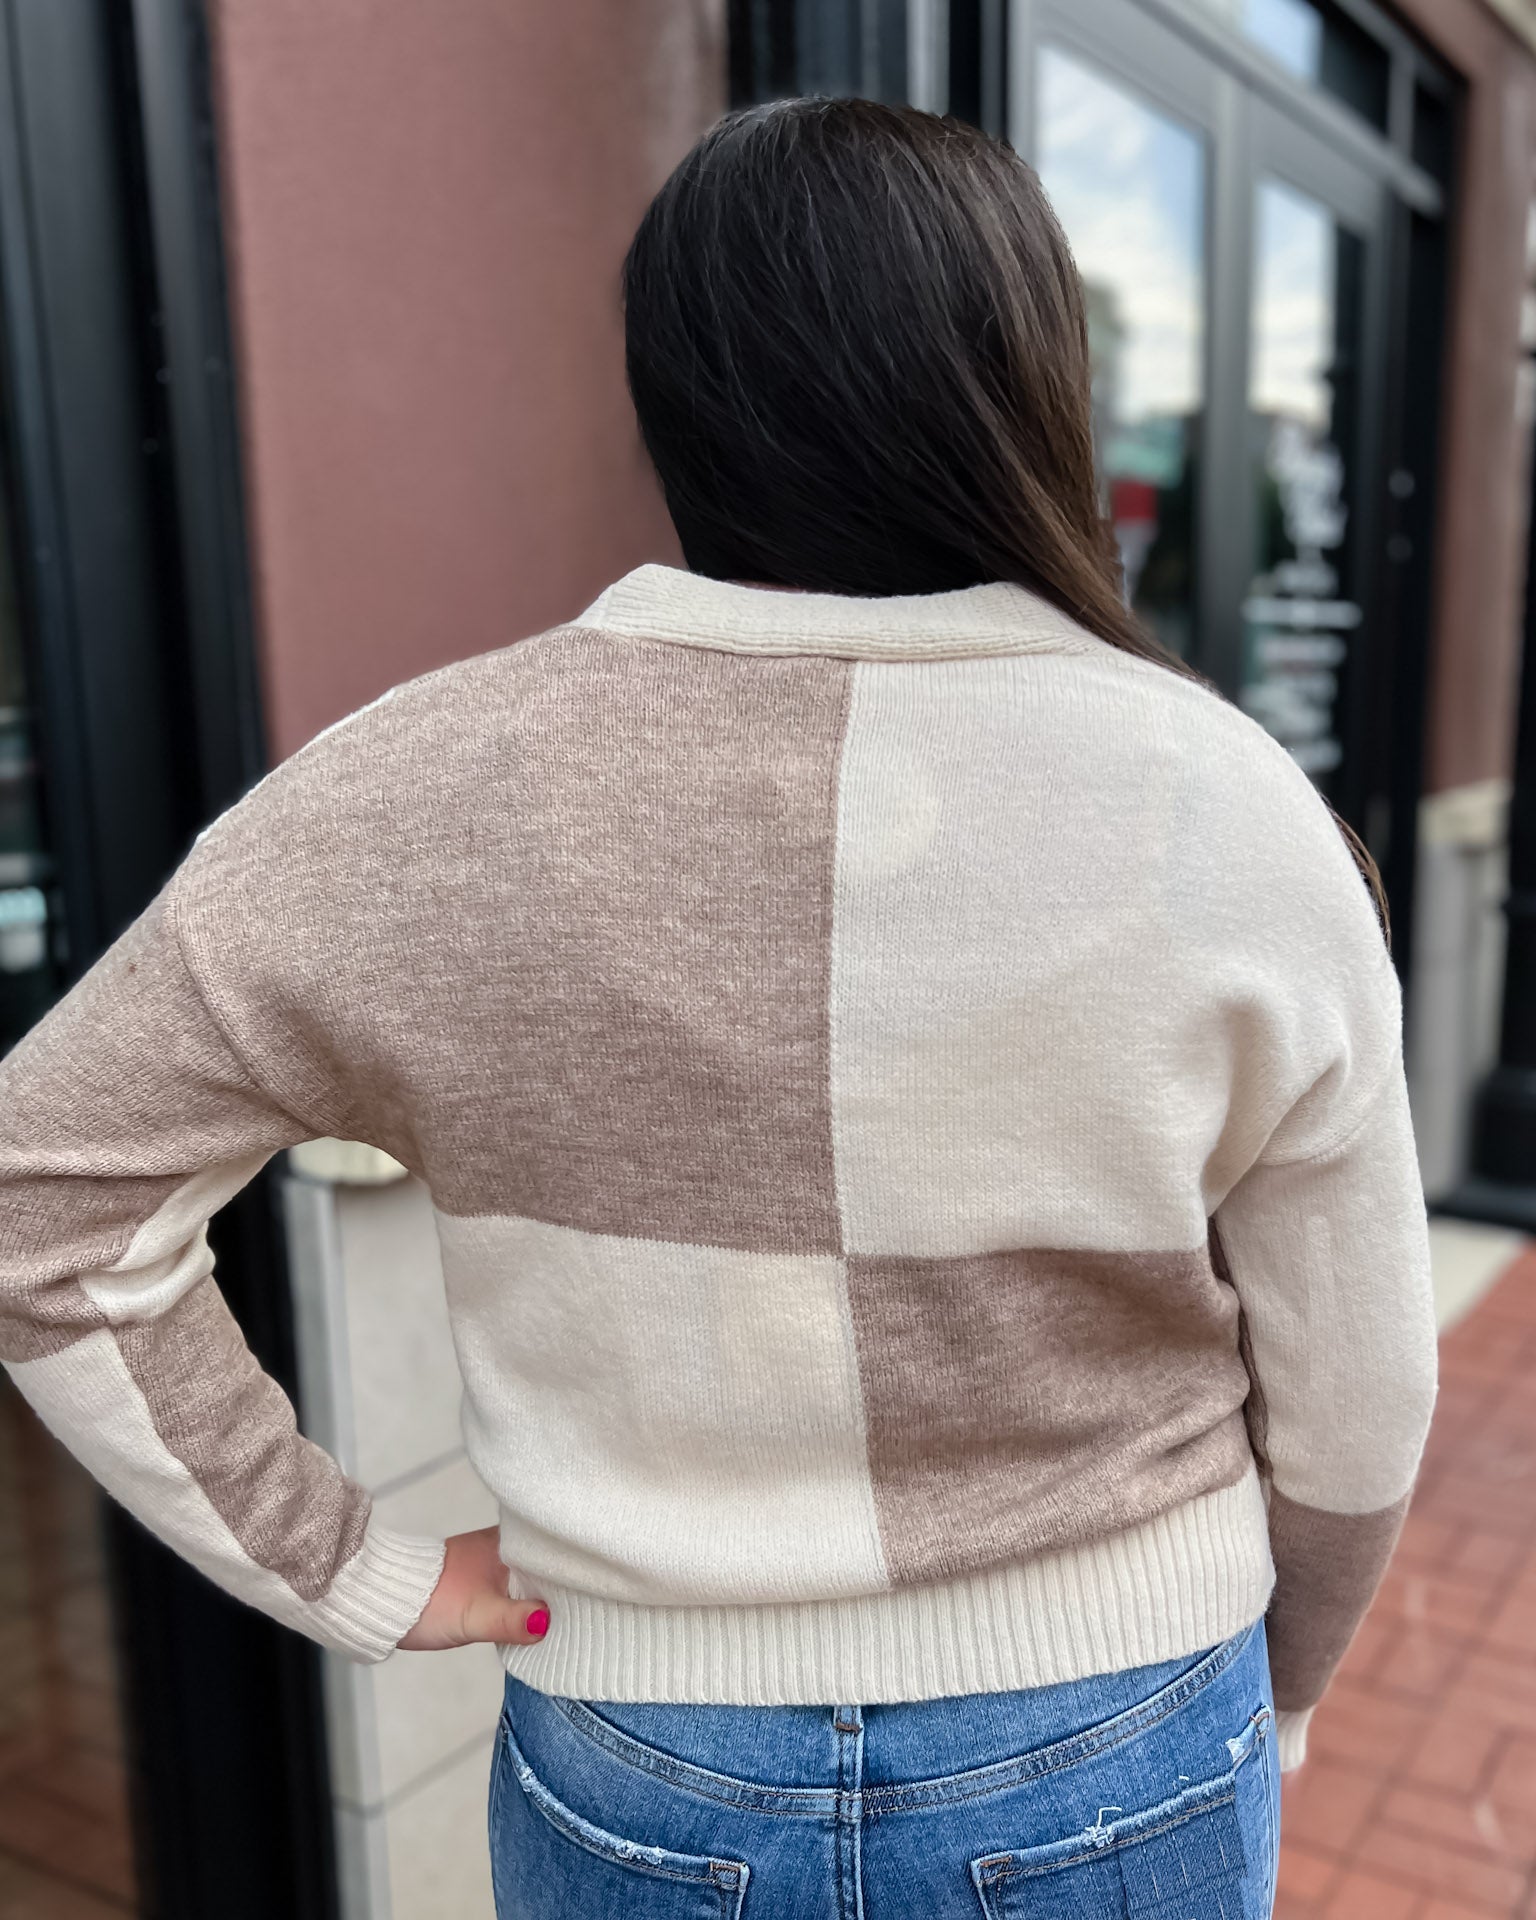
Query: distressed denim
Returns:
{"type": "Point", "coordinates": [1150, 1794]}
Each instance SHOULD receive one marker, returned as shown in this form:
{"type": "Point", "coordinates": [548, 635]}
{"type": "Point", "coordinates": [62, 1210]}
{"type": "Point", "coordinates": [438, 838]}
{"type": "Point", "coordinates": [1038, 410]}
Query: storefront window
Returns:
{"type": "Point", "coordinates": [1128, 184]}
{"type": "Point", "coordinates": [1299, 618]}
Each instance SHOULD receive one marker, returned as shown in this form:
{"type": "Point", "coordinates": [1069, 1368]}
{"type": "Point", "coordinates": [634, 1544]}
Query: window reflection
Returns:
{"type": "Point", "coordinates": [1128, 184]}
{"type": "Point", "coordinates": [1298, 616]}
{"type": "Point", "coordinates": [1289, 31]}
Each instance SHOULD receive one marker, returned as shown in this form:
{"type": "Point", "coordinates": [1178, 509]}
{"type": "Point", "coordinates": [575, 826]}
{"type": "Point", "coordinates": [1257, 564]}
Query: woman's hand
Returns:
{"type": "Point", "coordinates": [469, 1602]}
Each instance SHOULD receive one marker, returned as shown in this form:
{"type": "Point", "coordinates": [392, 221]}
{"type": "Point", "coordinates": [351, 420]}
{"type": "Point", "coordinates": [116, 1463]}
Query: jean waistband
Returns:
{"type": "Point", "coordinates": [588, 1720]}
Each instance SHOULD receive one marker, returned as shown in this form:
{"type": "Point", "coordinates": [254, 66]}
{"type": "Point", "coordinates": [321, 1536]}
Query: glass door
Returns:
{"type": "Point", "coordinates": [1232, 261]}
{"type": "Point", "coordinates": [1312, 417]}
{"type": "Point", "coordinates": [1122, 138]}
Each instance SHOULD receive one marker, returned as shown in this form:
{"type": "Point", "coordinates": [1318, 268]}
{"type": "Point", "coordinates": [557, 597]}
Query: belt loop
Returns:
{"type": "Point", "coordinates": [848, 1724]}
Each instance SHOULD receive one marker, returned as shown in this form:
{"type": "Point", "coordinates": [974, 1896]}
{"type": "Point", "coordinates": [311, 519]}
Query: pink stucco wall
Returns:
{"type": "Point", "coordinates": [427, 202]}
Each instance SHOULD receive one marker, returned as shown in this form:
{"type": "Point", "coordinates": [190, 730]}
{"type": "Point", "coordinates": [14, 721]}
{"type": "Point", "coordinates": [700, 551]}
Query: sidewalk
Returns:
{"type": "Point", "coordinates": [1418, 1800]}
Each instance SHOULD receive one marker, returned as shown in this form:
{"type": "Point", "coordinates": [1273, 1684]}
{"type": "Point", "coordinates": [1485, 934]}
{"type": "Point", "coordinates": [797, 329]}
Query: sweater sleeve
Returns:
{"type": "Point", "coordinates": [1326, 1240]}
{"type": "Point", "coordinates": [126, 1120]}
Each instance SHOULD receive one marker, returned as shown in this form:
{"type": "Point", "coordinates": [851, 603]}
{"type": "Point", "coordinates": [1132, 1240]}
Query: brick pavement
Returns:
{"type": "Point", "coordinates": [1418, 1799]}
{"type": "Point", "coordinates": [65, 1852]}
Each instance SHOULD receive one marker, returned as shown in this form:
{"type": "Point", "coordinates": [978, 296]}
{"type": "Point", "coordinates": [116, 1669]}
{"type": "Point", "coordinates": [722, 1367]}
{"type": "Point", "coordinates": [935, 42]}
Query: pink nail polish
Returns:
{"type": "Point", "coordinates": [538, 1621]}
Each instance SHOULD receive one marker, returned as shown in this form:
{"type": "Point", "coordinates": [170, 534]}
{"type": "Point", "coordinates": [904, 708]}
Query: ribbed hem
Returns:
{"type": "Point", "coordinates": [1175, 1585]}
{"type": "Point", "coordinates": [379, 1594]}
{"type": "Point", "coordinates": [1291, 1737]}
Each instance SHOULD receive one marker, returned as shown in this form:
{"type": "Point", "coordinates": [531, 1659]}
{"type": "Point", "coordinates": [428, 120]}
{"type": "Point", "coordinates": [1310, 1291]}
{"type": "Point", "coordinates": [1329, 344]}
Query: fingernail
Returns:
{"type": "Point", "coordinates": [538, 1621]}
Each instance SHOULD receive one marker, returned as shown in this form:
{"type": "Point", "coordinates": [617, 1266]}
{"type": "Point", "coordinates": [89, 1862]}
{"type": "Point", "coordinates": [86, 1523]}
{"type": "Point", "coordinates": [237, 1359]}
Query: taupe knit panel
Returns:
{"type": "Point", "coordinates": [566, 936]}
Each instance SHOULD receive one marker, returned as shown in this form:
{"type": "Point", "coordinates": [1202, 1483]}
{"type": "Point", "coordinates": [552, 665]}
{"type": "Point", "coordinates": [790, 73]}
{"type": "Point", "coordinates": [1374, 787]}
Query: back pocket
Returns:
{"type": "Point", "coordinates": [1181, 1860]}
{"type": "Point", "coordinates": [549, 1863]}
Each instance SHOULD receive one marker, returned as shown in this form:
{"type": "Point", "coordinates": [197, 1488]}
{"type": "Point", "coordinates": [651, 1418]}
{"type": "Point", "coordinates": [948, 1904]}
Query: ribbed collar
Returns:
{"type": "Point", "coordinates": [668, 603]}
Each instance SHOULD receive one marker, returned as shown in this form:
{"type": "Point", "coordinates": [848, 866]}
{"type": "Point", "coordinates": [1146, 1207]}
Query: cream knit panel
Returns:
{"type": "Point", "coordinates": [1330, 1257]}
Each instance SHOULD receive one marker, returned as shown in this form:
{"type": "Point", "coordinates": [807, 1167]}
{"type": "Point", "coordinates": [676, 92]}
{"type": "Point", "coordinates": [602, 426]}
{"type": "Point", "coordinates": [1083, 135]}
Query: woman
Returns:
{"type": "Point", "coordinates": [910, 1082]}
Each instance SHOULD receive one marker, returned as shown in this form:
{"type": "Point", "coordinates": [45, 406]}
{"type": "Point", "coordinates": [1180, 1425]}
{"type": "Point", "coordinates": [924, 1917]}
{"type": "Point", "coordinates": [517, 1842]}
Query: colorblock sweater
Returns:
{"type": "Point", "coordinates": [913, 1103]}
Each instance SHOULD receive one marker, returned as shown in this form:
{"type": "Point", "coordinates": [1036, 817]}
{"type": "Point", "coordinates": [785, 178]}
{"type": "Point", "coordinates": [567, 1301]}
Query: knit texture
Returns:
{"type": "Point", "coordinates": [913, 1103]}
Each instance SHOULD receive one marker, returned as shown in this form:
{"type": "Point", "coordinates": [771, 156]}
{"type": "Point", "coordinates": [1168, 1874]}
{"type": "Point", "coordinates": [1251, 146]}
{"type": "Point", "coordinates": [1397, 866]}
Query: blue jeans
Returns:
{"type": "Point", "coordinates": [1151, 1794]}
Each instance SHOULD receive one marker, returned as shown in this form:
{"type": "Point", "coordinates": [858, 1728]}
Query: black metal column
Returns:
{"type": "Point", "coordinates": [1500, 1186]}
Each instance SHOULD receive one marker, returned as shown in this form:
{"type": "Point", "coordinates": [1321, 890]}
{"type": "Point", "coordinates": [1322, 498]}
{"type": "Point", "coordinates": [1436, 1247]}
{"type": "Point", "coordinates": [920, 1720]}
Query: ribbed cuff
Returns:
{"type": "Point", "coordinates": [1291, 1737]}
{"type": "Point", "coordinates": [1177, 1584]}
{"type": "Point", "coordinates": [379, 1594]}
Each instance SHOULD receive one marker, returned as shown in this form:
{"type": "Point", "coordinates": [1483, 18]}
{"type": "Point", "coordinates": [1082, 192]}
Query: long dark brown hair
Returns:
{"type": "Point", "coordinates": [857, 346]}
